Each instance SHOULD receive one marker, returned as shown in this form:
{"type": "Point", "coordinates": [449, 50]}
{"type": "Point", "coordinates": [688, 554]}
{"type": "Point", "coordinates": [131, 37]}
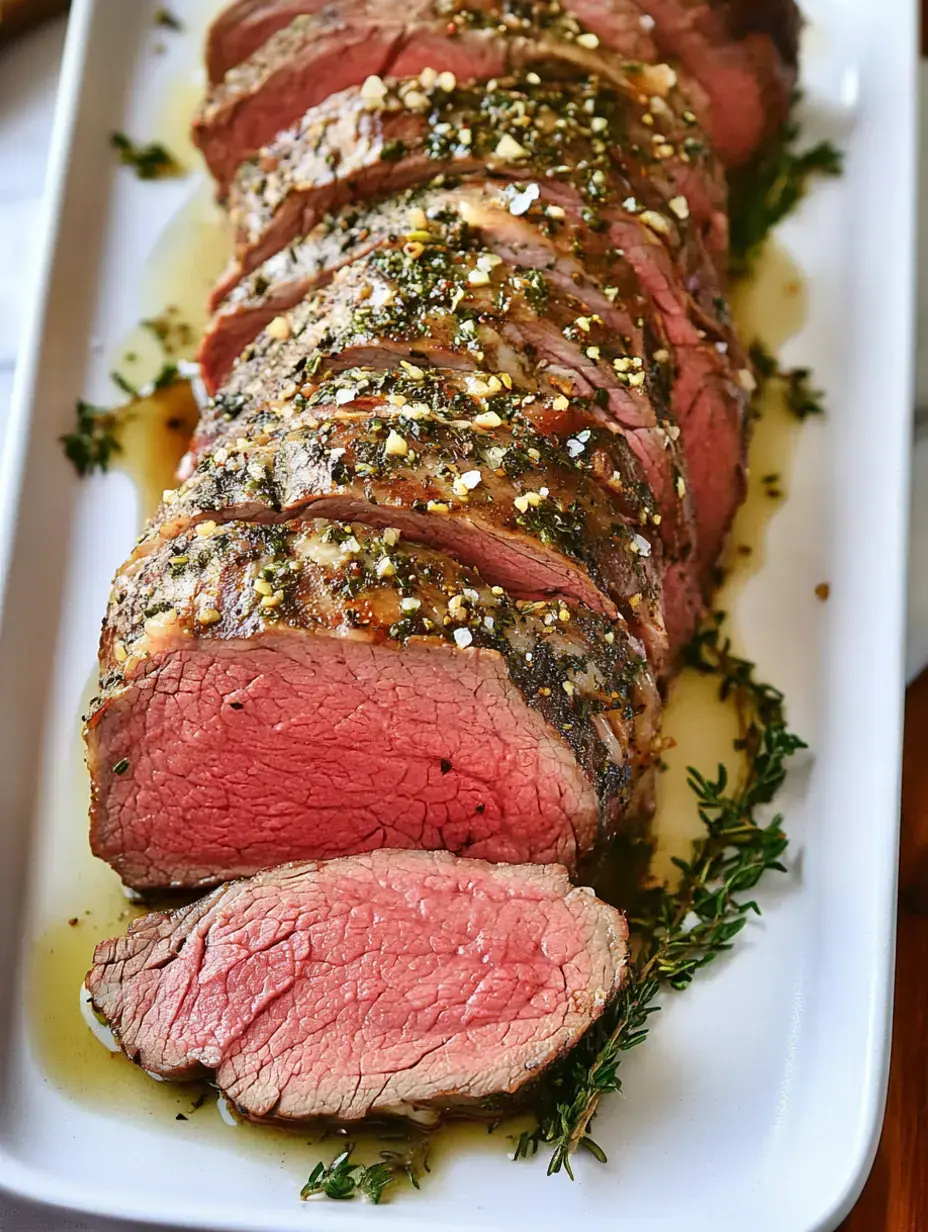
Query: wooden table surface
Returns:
{"type": "Point", "coordinates": [896, 1196]}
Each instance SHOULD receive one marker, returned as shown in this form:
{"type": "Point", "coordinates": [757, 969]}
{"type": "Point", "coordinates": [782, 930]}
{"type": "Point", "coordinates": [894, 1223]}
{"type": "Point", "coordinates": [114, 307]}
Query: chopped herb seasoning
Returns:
{"type": "Point", "coordinates": [93, 443]}
{"type": "Point", "coordinates": [150, 162]}
{"type": "Point", "coordinates": [801, 396]}
{"type": "Point", "coordinates": [168, 375]}
{"type": "Point", "coordinates": [392, 151]}
{"type": "Point", "coordinates": [802, 399]}
{"type": "Point", "coordinates": [123, 384]}
{"type": "Point", "coordinates": [121, 766]}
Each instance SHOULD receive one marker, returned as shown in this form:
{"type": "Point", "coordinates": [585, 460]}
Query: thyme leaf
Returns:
{"type": "Point", "coordinates": [769, 187]}
{"type": "Point", "coordinates": [342, 1179]}
{"type": "Point", "coordinates": [801, 397]}
{"type": "Point", "coordinates": [685, 927]}
{"type": "Point", "coordinates": [170, 21]}
{"type": "Point", "coordinates": [150, 162]}
{"type": "Point", "coordinates": [91, 445]}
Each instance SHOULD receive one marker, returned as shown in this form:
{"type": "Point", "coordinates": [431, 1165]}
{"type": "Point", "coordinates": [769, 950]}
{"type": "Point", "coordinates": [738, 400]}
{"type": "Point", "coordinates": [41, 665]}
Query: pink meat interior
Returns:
{"type": "Point", "coordinates": [246, 754]}
{"type": "Point", "coordinates": [355, 986]}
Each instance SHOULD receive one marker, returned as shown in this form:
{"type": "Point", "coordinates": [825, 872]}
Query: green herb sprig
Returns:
{"type": "Point", "coordinates": [685, 927]}
{"type": "Point", "coordinates": [800, 395]}
{"type": "Point", "coordinates": [769, 187]}
{"type": "Point", "coordinates": [168, 20]}
{"type": "Point", "coordinates": [93, 443]}
{"type": "Point", "coordinates": [150, 162]}
{"type": "Point", "coordinates": [342, 1179]}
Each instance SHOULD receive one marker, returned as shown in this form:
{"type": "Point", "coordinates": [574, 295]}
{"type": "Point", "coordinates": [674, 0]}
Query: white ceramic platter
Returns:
{"type": "Point", "coordinates": [757, 1102]}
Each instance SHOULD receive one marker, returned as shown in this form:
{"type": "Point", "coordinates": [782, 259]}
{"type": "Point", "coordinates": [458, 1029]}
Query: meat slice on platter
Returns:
{"type": "Point", "coordinates": [267, 57]}
{"type": "Point", "coordinates": [593, 145]}
{"type": "Point", "coordinates": [547, 501]}
{"type": "Point", "coordinates": [389, 984]}
{"type": "Point", "coordinates": [313, 689]}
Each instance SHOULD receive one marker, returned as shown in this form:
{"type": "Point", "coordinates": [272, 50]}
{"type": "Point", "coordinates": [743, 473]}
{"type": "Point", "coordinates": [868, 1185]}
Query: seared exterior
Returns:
{"type": "Point", "coordinates": [543, 501]}
{"type": "Point", "coordinates": [390, 984]}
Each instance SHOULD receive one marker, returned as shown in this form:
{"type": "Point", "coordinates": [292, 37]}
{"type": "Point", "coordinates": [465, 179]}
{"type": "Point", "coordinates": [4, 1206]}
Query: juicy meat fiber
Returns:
{"type": "Point", "coordinates": [382, 984]}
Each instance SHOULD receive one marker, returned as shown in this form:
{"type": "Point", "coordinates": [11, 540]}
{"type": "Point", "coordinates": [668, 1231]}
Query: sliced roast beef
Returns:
{"type": "Point", "coordinates": [394, 983]}
{"type": "Point", "coordinates": [583, 256]}
{"type": "Point", "coordinates": [587, 140]}
{"type": "Point", "coordinates": [343, 44]}
{"type": "Point", "coordinates": [310, 690]}
{"type": "Point", "coordinates": [556, 510]}
{"type": "Point", "coordinates": [339, 46]}
{"type": "Point", "coordinates": [246, 26]}
{"type": "Point", "coordinates": [742, 53]}
{"type": "Point", "coordinates": [618, 268]}
{"type": "Point", "coordinates": [441, 308]}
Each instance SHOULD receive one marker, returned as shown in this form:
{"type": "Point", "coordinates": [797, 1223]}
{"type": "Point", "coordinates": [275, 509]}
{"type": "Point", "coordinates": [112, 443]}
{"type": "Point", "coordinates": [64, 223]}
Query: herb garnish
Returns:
{"type": "Point", "coordinates": [164, 17]}
{"type": "Point", "coordinates": [94, 442]}
{"type": "Point", "coordinates": [123, 384]}
{"type": "Point", "coordinates": [769, 187]}
{"type": "Point", "coordinates": [150, 162]}
{"type": "Point", "coordinates": [344, 1179]}
{"type": "Point", "coordinates": [682, 928]}
{"type": "Point", "coordinates": [92, 445]}
{"type": "Point", "coordinates": [801, 397]}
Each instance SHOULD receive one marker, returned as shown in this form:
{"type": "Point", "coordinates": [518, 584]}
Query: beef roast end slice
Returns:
{"type": "Point", "coordinates": [382, 984]}
{"type": "Point", "coordinates": [310, 690]}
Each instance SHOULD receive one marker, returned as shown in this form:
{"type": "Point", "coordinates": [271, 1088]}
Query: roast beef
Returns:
{"type": "Point", "coordinates": [342, 44]}
{"type": "Point", "coordinates": [476, 439]}
{"type": "Point", "coordinates": [316, 689]}
{"type": "Point", "coordinates": [583, 255]}
{"type": "Point", "coordinates": [395, 983]}
{"type": "Point", "coordinates": [600, 145]}
{"type": "Point", "coordinates": [546, 502]}
{"type": "Point", "coordinates": [742, 53]}
{"type": "Point", "coordinates": [244, 27]}
{"type": "Point", "coordinates": [618, 272]}
{"type": "Point", "coordinates": [423, 308]}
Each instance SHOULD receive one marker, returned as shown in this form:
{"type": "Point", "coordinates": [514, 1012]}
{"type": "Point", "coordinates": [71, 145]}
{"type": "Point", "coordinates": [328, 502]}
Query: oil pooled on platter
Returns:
{"type": "Point", "coordinates": [770, 307]}
{"type": "Point", "coordinates": [154, 433]}
{"type": "Point", "coordinates": [181, 270]}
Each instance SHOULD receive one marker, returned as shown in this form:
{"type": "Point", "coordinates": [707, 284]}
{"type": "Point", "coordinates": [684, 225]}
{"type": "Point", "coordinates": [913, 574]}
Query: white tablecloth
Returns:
{"type": "Point", "coordinates": [28, 77]}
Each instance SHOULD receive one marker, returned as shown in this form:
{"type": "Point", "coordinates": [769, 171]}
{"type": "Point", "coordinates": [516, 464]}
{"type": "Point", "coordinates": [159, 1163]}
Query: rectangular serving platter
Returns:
{"type": "Point", "coordinates": [757, 1102]}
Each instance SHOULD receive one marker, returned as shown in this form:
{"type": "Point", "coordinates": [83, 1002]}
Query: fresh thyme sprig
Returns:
{"type": "Point", "coordinates": [683, 928]}
{"type": "Point", "coordinates": [769, 187]}
{"type": "Point", "coordinates": [343, 1179]}
{"type": "Point", "coordinates": [801, 397]}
